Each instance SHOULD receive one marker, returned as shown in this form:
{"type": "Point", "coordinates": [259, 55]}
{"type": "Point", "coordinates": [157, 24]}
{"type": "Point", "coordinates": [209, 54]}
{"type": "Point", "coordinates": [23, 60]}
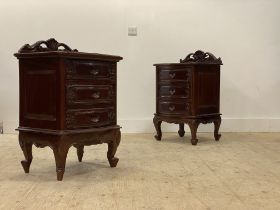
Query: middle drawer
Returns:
{"type": "Point", "coordinates": [89, 94]}
{"type": "Point", "coordinates": [171, 91]}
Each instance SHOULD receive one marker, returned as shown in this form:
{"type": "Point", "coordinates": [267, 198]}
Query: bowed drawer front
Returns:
{"type": "Point", "coordinates": [173, 91]}
{"type": "Point", "coordinates": [173, 75]}
{"type": "Point", "coordinates": [90, 118]}
{"type": "Point", "coordinates": [174, 108]}
{"type": "Point", "coordinates": [89, 70]}
{"type": "Point", "coordinates": [90, 94]}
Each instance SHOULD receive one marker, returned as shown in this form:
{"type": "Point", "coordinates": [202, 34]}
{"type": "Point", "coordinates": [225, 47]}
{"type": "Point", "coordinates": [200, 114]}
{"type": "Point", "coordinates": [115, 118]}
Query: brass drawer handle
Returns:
{"type": "Point", "coordinates": [96, 95]}
{"type": "Point", "coordinates": [172, 91]}
{"type": "Point", "coordinates": [95, 119]}
{"type": "Point", "coordinates": [94, 72]}
{"type": "Point", "coordinates": [172, 75]}
{"type": "Point", "coordinates": [171, 108]}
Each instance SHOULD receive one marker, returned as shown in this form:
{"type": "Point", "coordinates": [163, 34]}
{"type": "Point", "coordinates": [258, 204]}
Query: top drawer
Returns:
{"type": "Point", "coordinates": [97, 70]}
{"type": "Point", "coordinates": [176, 74]}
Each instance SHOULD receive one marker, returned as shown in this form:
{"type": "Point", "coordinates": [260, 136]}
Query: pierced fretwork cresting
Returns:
{"type": "Point", "coordinates": [201, 57]}
{"type": "Point", "coordinates": [44, 46]}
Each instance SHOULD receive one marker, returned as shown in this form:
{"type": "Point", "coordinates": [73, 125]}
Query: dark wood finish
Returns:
{"type": "Point", "coordinates": [189, 93]}
{"type": "Point", "coordinates": [67, 98]}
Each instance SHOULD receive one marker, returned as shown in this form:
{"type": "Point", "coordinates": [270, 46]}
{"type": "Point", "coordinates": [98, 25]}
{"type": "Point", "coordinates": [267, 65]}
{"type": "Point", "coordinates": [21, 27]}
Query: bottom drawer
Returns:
{"type": "Point", "coordinates": [90, 118]}
{"type": "Point", "coordinates": [174, 108]}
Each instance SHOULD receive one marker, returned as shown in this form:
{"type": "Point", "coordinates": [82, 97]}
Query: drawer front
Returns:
{"type": "Point", "coordinates": [173, 75]}
{"type": "Point", "coordinates": [170, 91]}
{"type": "Point", "coordinates": [174, 108]}
{"type": "Point", "coordinates": [90, 118]}
{"type": "Point", "coordinates": [89, 94]}
{"type": "Point", "coordinates": [89, 70]}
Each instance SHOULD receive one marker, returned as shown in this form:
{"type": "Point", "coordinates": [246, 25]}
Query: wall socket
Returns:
{"type": "Point", "coordinates": [132, 31]}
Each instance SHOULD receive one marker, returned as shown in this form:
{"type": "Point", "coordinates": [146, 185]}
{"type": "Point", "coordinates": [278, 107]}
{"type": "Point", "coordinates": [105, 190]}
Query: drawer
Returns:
{"type": "Point", "coordinates": [89, 94]}
{"type": "Point", "coordinates": [89, 70]}
{"type": "Point", "coordinates": [174, 107]}
{"type": "Point", "coordinates": [90, 118]}
{"type": "Point", "coordinates": [170, 91]}
{"type": "Point", "coordinates": [178, 74]}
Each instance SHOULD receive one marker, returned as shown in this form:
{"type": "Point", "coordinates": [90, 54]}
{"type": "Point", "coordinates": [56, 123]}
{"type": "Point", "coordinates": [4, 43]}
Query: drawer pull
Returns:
{"type": "Point", "coordinates": [171, 108]}
{"type": "Point", "coordinates": [94, 72]}
{"type": "Point", "coordinates": [95, 119]}
{"type": "Point", "coordinates": [96, 95]}
{"type": "Point", "coordinates": [172, 91]}
{"type": "Point", "coordinates": [172, 75]}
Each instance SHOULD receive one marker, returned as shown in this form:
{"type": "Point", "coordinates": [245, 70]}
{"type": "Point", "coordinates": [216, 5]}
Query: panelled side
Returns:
{"type": "Point", "coordinates": [39, 91]}
{"type": "Point", "coordinates": [206, 89]}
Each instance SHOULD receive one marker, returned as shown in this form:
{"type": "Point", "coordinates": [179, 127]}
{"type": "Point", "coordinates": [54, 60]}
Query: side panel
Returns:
{"type": "Point", "coordinates": [207, 89]}
{"type": "Point", "coordinates": [39, 91]}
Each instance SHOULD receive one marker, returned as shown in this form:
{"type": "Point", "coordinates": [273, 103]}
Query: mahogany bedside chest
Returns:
{"type": "Point", "coordinates": [67, 98]}
{"type": "Point", "coordinates": [189, 92]}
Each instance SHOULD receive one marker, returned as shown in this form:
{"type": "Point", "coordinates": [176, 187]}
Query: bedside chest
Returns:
{"type": "Point", "coordinates": [189, 93]}
{"type": "Point", "coordinates": [67, 98]}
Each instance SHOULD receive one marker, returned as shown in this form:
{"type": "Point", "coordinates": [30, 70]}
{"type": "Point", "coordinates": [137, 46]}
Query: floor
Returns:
{"type": "Point", "coordinates": [242, 171]}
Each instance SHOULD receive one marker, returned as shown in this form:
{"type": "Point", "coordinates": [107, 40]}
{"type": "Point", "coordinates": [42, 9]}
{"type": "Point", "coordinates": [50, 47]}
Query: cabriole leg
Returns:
{"type": "Point", "coordinates": [60, 152]}
{"type": "Point", "coordinates": [112, 149]}
{"type": "Point", "coordinates": [80, 151]}
{"type": "Point", "coordinates": [157, 124]}
{"type": "Point", "coordinates": [27, 151]}
{"type": "Point", "coordinates": [217, 123]}
{"type": "Point", "coordinates": [193, 124]}
{"type": "Point", "coordinates": [181, 131]}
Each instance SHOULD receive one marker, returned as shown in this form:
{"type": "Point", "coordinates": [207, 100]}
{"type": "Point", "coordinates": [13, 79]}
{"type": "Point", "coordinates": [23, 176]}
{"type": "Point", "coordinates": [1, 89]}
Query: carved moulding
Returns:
{"type": "Point", "coordinates": [201, 57]}
{"type": "Point", "coordinates": [51, 45]}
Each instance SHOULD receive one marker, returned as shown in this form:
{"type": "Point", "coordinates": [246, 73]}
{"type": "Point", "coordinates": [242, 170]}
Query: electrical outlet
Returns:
{"type": "Point", "coordinates": [132, 31]}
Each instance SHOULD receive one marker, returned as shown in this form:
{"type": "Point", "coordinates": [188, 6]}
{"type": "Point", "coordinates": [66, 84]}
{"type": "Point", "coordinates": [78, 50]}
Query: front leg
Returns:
{"type": "Point", "coordinates": [193, 124]}
{"type": "Point", "coordinates": [217, 123]}
{"type": "Point", "coordinates": [27, 151]}
{"type": "Point", "coordinates": [157, 123]}
{"type": "Point", "coordinates": [112, 149]}
{"type": "Point", "coordinates": [60, 152]}
{"type": "Point", "coordinates": [181, 131]}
